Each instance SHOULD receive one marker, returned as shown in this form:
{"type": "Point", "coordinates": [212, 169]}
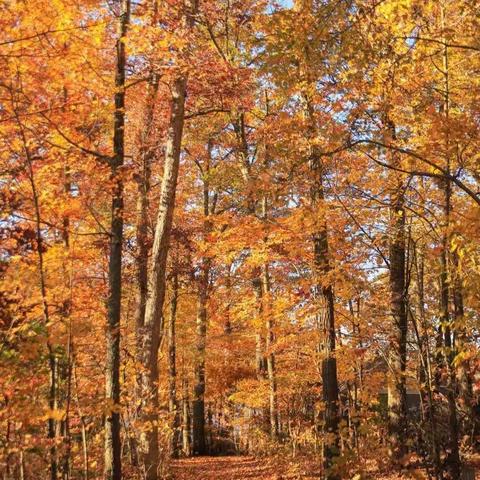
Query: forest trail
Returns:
{"type": "Point", "coordinates": [225, 468]}
{"type": "Point", "coordinates": [275, 468]}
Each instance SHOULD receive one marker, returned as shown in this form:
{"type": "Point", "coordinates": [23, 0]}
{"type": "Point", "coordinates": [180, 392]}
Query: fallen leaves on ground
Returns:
{"type": "Point", "coordinates": [234, 468]}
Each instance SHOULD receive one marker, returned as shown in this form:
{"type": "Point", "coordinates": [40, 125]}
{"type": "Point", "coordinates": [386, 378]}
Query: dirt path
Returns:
{"type": "Point", "coordinates": [251, 468]}
{"type": "Point", "coordinates": [224, 468]}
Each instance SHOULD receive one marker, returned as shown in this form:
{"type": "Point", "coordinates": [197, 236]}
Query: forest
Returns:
{"type": "Point", "coordinates": [239, 239]}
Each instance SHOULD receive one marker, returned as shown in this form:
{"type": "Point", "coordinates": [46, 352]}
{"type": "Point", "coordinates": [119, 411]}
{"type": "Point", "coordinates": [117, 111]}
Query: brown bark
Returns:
{"type": "Point", "coordinates": [113, 468]}
{"type": "Point", "coordinates": [227, 329]}
{"type": "Point", "coordinates": [245, 166]}
{"type": "Point", "coordinates": [425, 357]}
{"type": "Point", "coordinates": [461, 342]}
{"type": "Point", "coordinates": [397, 394]}
{"type": "Point", "coordinates": [199, 443]}
{"type": "Point", "coordinates": [146, 154]}
{"type": "Point", "coordinates": [271, 367]}
{"type": "Point", "coordinates": [260, 360]}
{"type": "Point", "coordinates": [83, 423]}
{"type": "Point", "coordinates": [52, 357]}
{"type": "Point", "coordinates": [199, 439]}
{"type": "Point", "coordinates": [355, 403]}
{"type": "Point", "coordinates": [186, 444]}
{"type": "Point", "coordinates": [325, 304]}
{"type": "Point", "coordinates": [53, 406]}
{"type": "Point", "coordinates": [269, 323]}
{"type": "Point", "coordinates": [326, 318]}
{"type": "Point", "coordinates": [67, 440]}
{"type": "Point", "coordinates": [453, 463]}
{"type": "Point", "coordinates": [151, 330]}
{"type": "Point", "coordinates": [172, 370]}
{"type": "Point", "coordinates": [261, 367]}
{"type": "Point", "coordinates": [269, 327]}
{"type": "Point", "coordinates": [67, 306]}
{"type": "Point", "coordinates": [322, 288]}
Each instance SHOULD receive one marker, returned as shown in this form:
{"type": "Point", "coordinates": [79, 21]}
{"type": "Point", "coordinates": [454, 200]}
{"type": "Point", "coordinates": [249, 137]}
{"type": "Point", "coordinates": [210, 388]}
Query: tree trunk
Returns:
{"type": "Point", "coordinates": [199, 444]}
{"type": "Point", "coordinates": [326, 319]}
{"type": "Point", "coordinates": [452, 462]}
{"type": "Point", "coordinates": [199, 439]}
{"type": "Point", "coordinates": [246, 169]}
{"type": "Point", "coordinates": [52, 357]}
{"type": "Point", "coordinates": [186, 447]}
{"type": "Point", "coordinates": [270, 336]}
{"type": "Point", "coordinates": [67, 440]}
{"type": "Point", "coordinates": [325, 306]}
{"type": "Point", "coordinates": [271, 368]}
{"type": "Point", "coordinates": [146, 154]}
{"type": "Point", "coordinates": [82, 422]}
{"type": "Point", "coordinates": [227, 328]}
{"type": "Point", "coordinates": [269, 320]}
{"type": "Point", "coordinates": [397, 394]}
{"type": "Point", "coordinates": [461, 341]}
{"type": "Point", "coordinates": [358, 370]}
{"type": "Point", "coordinates": [172, 370]}
{"type": "Point", "coordinates": [53, 406]}
{"type": "Point", "coordinates": [152, 325]}
{"type": "Point", "coordinates": [260, 360]}
{"type": "Point", "coordinates": [151, 329]}
{"type": "Point", "coordinates": [66, 312]}
{"type": "Point", "coordinates": [425, 357]}
{"type": "Point", "coordinates": [113, 469]}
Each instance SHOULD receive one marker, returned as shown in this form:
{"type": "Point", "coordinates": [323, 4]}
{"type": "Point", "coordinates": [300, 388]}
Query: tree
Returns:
{"type": "Point", "coordinates": [113, 462]}
{"type": "Point", "coordinates": [152, 324]}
